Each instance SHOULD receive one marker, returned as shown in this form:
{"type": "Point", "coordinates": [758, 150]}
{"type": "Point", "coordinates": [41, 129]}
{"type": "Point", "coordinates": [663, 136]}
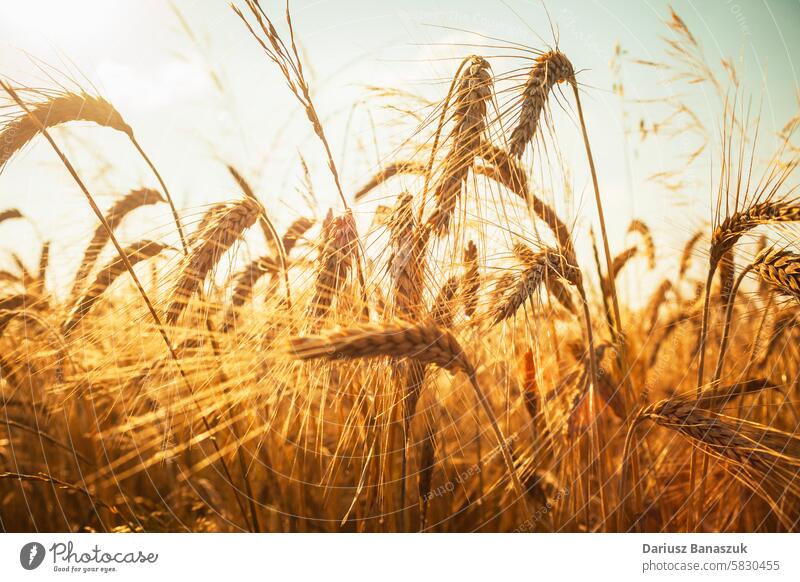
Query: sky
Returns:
{"type": "Point", "coordinates": [199, 93]}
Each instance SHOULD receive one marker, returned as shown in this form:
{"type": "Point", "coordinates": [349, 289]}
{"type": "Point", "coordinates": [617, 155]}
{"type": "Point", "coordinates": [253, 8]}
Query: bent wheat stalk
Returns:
{"type": "Point", "coordinates": [424, 343]}
{"type": "Point", "coordinates": [388, 172]}
{"type": "Point", "coordinates": [115, 215]}
{"type": "Point", "coordinates": [753, 449]}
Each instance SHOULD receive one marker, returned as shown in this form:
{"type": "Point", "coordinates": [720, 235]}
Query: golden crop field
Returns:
{"type": "Point", "coordinates": [445, 349]}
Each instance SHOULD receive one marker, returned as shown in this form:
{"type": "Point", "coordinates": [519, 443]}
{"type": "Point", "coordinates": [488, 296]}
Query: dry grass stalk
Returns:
{"type": "Point", "coordinates": [58, 484]}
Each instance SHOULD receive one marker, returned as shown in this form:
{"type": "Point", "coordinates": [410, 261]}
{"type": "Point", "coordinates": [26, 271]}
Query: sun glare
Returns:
{"type": "Point", "coordinates": [61, 22]}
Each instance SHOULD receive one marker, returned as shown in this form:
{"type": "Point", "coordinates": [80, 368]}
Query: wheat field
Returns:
{"type": "Point", "coordinates": [451, 360]}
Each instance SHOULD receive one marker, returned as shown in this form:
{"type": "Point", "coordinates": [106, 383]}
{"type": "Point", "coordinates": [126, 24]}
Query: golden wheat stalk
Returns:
{"type": "Point", "coordinates": [53, 109]}
{"type": "Point", "coordinates": [473, 92]}
{"type": "Point", "coordinates": [688, 252]}
{"type": "Point", "coordinates": [336, 256]}
{"type": "Point", "coordinates": [424, 343]}
{"type": "Point", "coordinates": [538, 266]}
{"type": "Point", "coordinates": [114, 216]}
{"type": "Point", "coordinates": [505, 170]}
{"type": "Point", "coordinates": [471, 279]}
{"type": "Point", "coordinates": [294, 233]}
{"type": "Point", "coordinates": [388, 172]}
{"type": "Point", "coordinates": [222, 232]}
{"type": "Point", "coordinates": [744, 443]}
{"type": "Point", "coordinates": [244, 281]}
{"type": "Point", "coordinates": [550, 68]}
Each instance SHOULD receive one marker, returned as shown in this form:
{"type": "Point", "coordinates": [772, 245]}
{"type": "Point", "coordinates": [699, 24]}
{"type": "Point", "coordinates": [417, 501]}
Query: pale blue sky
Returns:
{"type": "Point", "coordinates": [136, 54]}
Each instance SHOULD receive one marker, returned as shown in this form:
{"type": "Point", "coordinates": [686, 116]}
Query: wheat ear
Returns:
{"type": "Point", "coordinates": [550, 68]}
{"type": "Point", "coordinates": [9, 214]}
{"type": "Point", "coordinates": [336, 256]}
{"type": "Point", "coordinates": [643, 230]}
{"type": "Point", "coordinates": [780, 269]}
{"type": "Point", "coordinates": [218, 237]}
{"type": "Point", "coordinates": [473, 92]}
{"type": "Point", "coordinates": [115, 215]}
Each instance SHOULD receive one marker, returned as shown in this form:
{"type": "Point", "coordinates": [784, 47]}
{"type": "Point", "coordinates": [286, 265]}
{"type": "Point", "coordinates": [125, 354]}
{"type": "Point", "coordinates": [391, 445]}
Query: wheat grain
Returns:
{"type": "Point", "coordinates": [781, 269]}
